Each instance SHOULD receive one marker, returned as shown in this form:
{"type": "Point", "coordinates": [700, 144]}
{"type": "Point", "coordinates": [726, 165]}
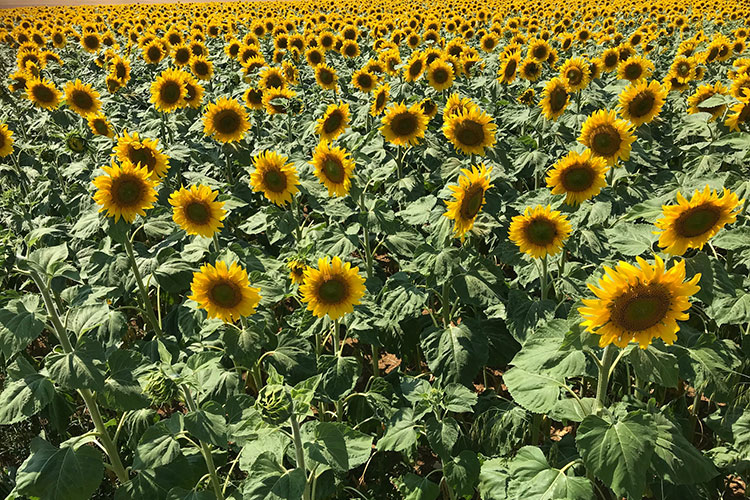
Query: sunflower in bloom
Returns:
{"type": "Point", "coordinates": [271, 78]}
{"type": "Point", "coordinates": [578, 176]}
{"type": "Point", "coordinates": [380, 99]}
{"type": "Point", "coordinates": [6, 140]}
{"type": "Point", "coordinates": [326, 76]}
{"type": "Point", "coordinates": [468, 198]}
{"type": "Point", "coordinates": [690, 224]}
{"type": "Point", "coordinates": [334, 122]}
{"type": "Point", "coordinates": [126, 190]}
{"type": "Point", "coordinates": [202, 68]}
{"type": "Point", "coordinates": [509, 67]}
{"type": "Point", "coordinates": [364, 80]}
{"type": "Point", "coordinates": [99, 125]}
{"type": "Point", "coordinates": [334, 168]}
{"type": "Point", "coordinates": [276, 101]}
{"type": "Point", "coordinates": [429, 108]}
{"type": "Point", "coordinates": [402, 125]}
{"type": "Point", "coordinates": [641, 102]}
{"type": "Point", "coordinates": [576, 74]}
{"type": "Point", "coordinates": [638, 304]}
{"type": "Point", "coordinates": [607, 136]}
{"type": "Point", "coordinates": [539, 231]}
{"type": "Point", "coordinates": [225, 120]}
{"type": "Point", "coordinates": [297, 270]}
{"type": "Point", "coordinates": [703, 93]}
{"type": "Point", "coordinates": [440, 75]}
{"type": "Point", "coordinates": [456, 105]}
{"type": "Point", "coordinates": [224, 292]}
{"type": "Point", "coordinates": [254, 98]}
{"type": "Point", "coordinates": [82, 99]}
{"type": "Point", "coordinates": [168, 92]}
{"type": "Point", "coordinates": [470, 131]}
{"type": "Point", "coordinates": [43, 93]}
{"type": "Point", "coordinates": [635, 68]}
{"type": "Point", "coordinates": [555, 98]}
{"type": "Point", "coordinates": [739, 113]}
{"type": "Point", "coordinates": [196, 210]}
{"type": "Point", "coordinates": [333, 289]}
{"type": "Point", "coordinates": [143, 152]}
{"type": "Point", "coordinates": [193, 91]}
{"type": "Point", "coordinates": [274, 177]}
{"type": "Point", "coordinates": [414, 68]}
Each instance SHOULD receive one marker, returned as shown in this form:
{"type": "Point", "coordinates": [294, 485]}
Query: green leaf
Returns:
{"type": "Point", "coordinates": [25, 397]}
{"type": "Point", "coordinates": [619, 454]}
{"type": "Point", "coordinates": [676, 459]}
{"type": "Point", "coordinates": [402, 432]}
{"type": "Point", "coordinates": [339, 446]}
{"type": "Point", "coordinates": [20, 324]}
{"type": "Point", "coordinates": [536, 392]}
{"type": "Point", "coordinates": [493, 479]}
{"type": "Point", "coordinates": [532, 478]}
{"type": "Point", "coordinates": [731, 310]}
{"type": "Point", "coordinates": [157, 447]}
{"type": "Point", "coordinates": [268, 480]}
{"type": "Point", "coordinates": [631, 239]}
{"type": "Point", "coordinates": [545, 352]}
{"type": "Point", "coordinates": [82, 319]}
{"type": "Point", "coordinates": [442, 435]}
{"type": "Point", "coordinates": [525, 314]}
{"type": "Point", "coordinates": [459, 399]}
{"type": "Point", "coordinates": [462, 473]}
{"type": "Point", "coordinates": [75, 370]}
{"type": "Point", "coordinates": [174, 275]}
{"type": "Point", "coordinates": [60, 473]}
{"type": "Point", "coordinates": [413, 487]}
{"type": "Point", "coordinates": [339, 375]}
{"type": "Point", "coordinates": [655, 365]}
{"type": "Point", "coordinates": [741, 433]}
{"type": "Point", "coordinates": [48, 262]}
{"type": "Point", "coordinates": [207, 427]}
{"type": "Point", "coordinates": [401, 299]}
{"type": "Point", "coordinates": [454, 354]}
{"type": "Point", "coordinates": [244, 346]}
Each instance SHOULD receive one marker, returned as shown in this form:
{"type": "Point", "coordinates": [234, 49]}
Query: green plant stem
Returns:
{"type": "Point", "coordinates": [694, 412]}
{"type": "Point", "coordinates": [445, 303]}
{"type": "Point", "coordinates": [228, 166]}
{"type": "Point", "coordinates": [375, 359]}
{"type": "Point", "coordinates": [205, 448]}
{"type": "Point", "coordinates": [216, 242]}
{"type": "Point", "coordinates": [603, 381]}
{"type": "Point", "coordinates": [147, 307]}
{"type": "Point", "coordinates": [86, 394]}
{"type": "Point", "coordinates": [298, 450]}
{"type": "Point", "coordinates": [336, 337]}
{"type": "Point", "coordinates": [536, 425]}
{"type": "Point", "coordinates": [366, 236]}
{"type": "Point", "coordinates": [544, 278]}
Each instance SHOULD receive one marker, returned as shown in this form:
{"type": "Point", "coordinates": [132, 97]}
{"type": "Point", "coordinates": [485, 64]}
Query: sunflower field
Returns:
{"type": "Point", "coordinates": [375, 250]}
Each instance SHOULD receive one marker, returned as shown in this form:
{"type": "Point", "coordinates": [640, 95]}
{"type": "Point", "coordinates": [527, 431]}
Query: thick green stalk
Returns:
{"type": "Point", "coordinates": [205, 449]}
{"type": "Point", "coordinates": [544, 277]}
{"type": "Point", "coordinates": [366, 236]}
{"type": "Point", "coordinates": [147, 307]}
{"type": "Point", "coordinates": [601, 386]}
{"type": "Point", "coordinates": [298, 450]}
{"type": "Point", "coordinates": [86, 394]}
{"type": "Point", "coordinates": [445, 303]}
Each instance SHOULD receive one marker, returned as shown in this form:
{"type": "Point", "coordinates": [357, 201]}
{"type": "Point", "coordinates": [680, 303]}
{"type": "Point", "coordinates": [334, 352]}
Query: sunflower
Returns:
{"type": "Point", "coordinates": [456, 105]}
{"type": "Point", "coordinates": [333, 289]}
{"type": "Point", "coordinates": [642, 101]}
{"type": "Point", "coordinates": [683, 68]}
{"type": "Point", "coordinates": [639, 303]}
{"type": "Point", "coordinates": [429, 108]}
{"type": "Point", "coordinates": [142, 152]}
{"type": "Point", "coordinates": [82, 99]}
{"type": "Point", "coordinates": [169, 90]}
{"type": "Point", "coordinates": [181, 55]}
{"type": "Point", "coordinates": [43, 93]}
{"type": "Point", "coordinates": [276, 101]}
{"type": "Point", "coordinates": [527, 97]}
{"type": "Point", "coordinates": [154, 52]}
{"type": "Point", "coordinates": [226, 120]}
{"type": "Point", "coordinates": [539, 50]}
{"type": "Point", "coordinates": [469, 198]}
{"type": "Point", "coordinates": [91, 42]}
{"type": "Point", "coordinates": [635, 68]}
{"type": "Point", "coordinates": [509, 67]}
{"type": "Point", "coordinates": [271, 78]}
{"type": "Point", "coordinates": [530, 70]}
{"type": "Point", "coordinates": [334, 168]}
{"type": "Point", "coordinates": [555, 98]}
{"type": "Point", "coordinates": [540, 231]}
{"type": "Point", "coordinates": [120, 69]}
{"type": "Point", "coordinates": [440, 75]}
{"type": "Point", "coordinates": [607, 136]}
{"type": "Point", "coordinates": [202, 68]}
{"type": "Point", "coordinates": [273, 176]}
{"type": "Point", "coordinates": [415, 67]}
{"type": "Point", "coordinates": [326, 76]}
{"type": "Point", "coordinates": [470, 131]}
{"type": "Point", "coordinates": [193, 91]}
{"type": "Point", "coordinates": [575, 73]}
{"type": "Point", "coordinates": [380, 99]}
{"type": "Point", "coordinates": [225, 293]}
{"type": "Point", "coordinates": [402, 125]}
{"type": "Point", "coordinates": [197, 211]}
{"type": "Point", "coordinates": [254, 98]}
{"type": "Point", "coordinates": [297, 270]}
{"type": "Point", "coordinates": [690, 224]}
{"type": "Point", "coordinates": [334, 122]}
{"type": "Point", "coordinates": [364, 80]}
{"type": "Point", "coordinates": [99, 125]}
{"type": "Point", "coordinates": [6, 140]}
{"type": "Point", "coordinates": [314, 56]}
{"type": "Point", "coordinates": [126, 190]}
{"type": "Point", "coordinates": [702, 94]}
{"type": "Point", "coordinates": [578, 176]}
{"type": "Point", "coordinates": [739, 113]}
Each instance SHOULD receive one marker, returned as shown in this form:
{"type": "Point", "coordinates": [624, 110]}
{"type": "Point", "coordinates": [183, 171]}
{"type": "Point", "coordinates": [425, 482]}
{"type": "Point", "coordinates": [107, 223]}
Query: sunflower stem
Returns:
{"type": "Point", "coordinates": [603, 380]}
{"type": "Point", "coordinates": [445, 303]}
{"type": "Point", "coordinates": [228, 166]}
{"type": "Point", "coordinates": [205, 448]}
{"type": "Point", "coordinates": [298, 450]}
{"type": "Point", "coordinates": [86, 394]}
{"type": "Point", "coordinates": [544, 277]}
{"type": "Point", "coordinates": [215, 238]}
{"type": "Point", "coordinates": [366, 236]}
{"type": "Point", "coordinates": [147, 306]}
{"type": "Point", "coordinates": [336, 338]}
{"type": "Point", "coordinates": [375, 359]}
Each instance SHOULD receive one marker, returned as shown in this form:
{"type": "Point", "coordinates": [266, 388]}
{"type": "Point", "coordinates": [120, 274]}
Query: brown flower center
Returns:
{"type": "Point", "coordinates": [697, 220]}
{"type": "Point", "coordinates": [198, 212]}
{"type": "Point", "coordinates": [225, 294]}
{"type": "Point", "coordinates": [472, 202]}
{"type": "Point", "coordinates": [333, 122]}
{"type": "Point", "coordinates": [605, 140]}
{"type": "Point", "coordinates": [334, 170]}
{"type": "Point", "coordinates": [470, 133]}
{"type": "Point", "coordinates": [127, 191]}
{"type": "Point", "coordinates": [333, 291]}
{"type": "Point", "coordinates": [170, 92]}
{"type": "Point", "coordinates": [577, 178]}
{"type": "Point", "coordinates": [541, 231]}
{"type": "Point", "coordinates": [640, 307]}
{"type": "Point", "coordinates": [139, 154]}
{"type": "Point", "coordinates": [227, 121]}
{"type": "Point", "coordinates": [275, 180]}
{"type": "Point", "coordinates": [43, 94]}
{"type": "Point", "coordinates": [404, 124]}
{"type": "Point", "coordinates": [642, 104]}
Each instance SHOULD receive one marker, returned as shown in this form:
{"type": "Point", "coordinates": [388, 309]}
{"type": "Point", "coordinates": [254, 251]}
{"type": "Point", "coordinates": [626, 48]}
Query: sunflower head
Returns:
{"type": "Point", "coordinates": [380, 99]}
{"type": "Point", "coordinates": [402, 125]}
{"type": "Point", "coordinates": [82, 99]}
{"type": "Point", "coordinates": [326, 76]}
{"type": "Point", "coordinates": [196, 210]}
{"type": "Point", "coordinates": [639, 303]}
{"type": "Point", "coordinates": [126, 190]}
{"type": "Point", "coordinates": [641, 102]}
{"type": "Point", "coordinates": [272, 78]}
{"type": "Point", "coordinates": [297, 268]}
{"type": "Point", "coordinates": [99, 125]}
{"type": "Point", "coordinates": [6, 140]}
{"type": "Point", "coordinates": [274, 177]}
{"type": "Point", "coordinates": [539, 231]}
{"type": "Point", "coordinates": [470, 131]}
{"type": "Point", "coordinates": [224, 292]}
{"type": "Point", "coordinates": [703, 93]}
{"type": "Point", "coordinates": [334, 122]}
{"type": "Point", "coordinates": [225, 120]}
{"type": "Point", "coordinates": [43, 93]}
{"type": "Point", "coordinates": [440, 75]}
{"type": "Point", "coordinates": [168, 92]}
{"type": "Point", "coordinates": [364, 80]}
{"type": "Point", "coordinates": [607, 136]}
{"type": "Point", "coordinates": [468, 198]}
{"type": "Point", "coordinates": [334, 168]}
{"type": "Point", "coordinates": [578, 176]}
{"type": "Point", "coordinates": [142, 152]}
{"type": "Point", "coordinates": [333, 289]}
{"type": "Point", "coordinates": [279, 101]}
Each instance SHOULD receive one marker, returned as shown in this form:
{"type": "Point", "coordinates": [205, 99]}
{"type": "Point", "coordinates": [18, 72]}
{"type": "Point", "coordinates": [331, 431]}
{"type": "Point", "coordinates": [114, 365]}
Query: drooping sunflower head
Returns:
{"type": "Point", "coordinates": [468, 198]}
{"type": "Point", "coordinates": [142, 152]}
{"type": "Point", "coordinates": [168, 92]}
{"type": "Point", "coordinates": [415, 67]}
{"type": "Point", "coordinates": [333, 167]}
{"type": "Point", "coordinates": [578, 176]}
{"type": "Point", "coordinates": [126, 190]}
{"type": "Point", "coordinates": [333, 289]}
{"type": "Point", "coordinates": [607, 136]}
{"type": "Point", "coordinates": [456, 105]}
{"type": "Point", "coordinates": [402, 125]}
{"type": "Point", "coordinates": [82, 99]}
{"type": "Point", "coordinates": [539, 231]}
{"type": "Point", "coordinates": [639, 303]}
{"type": "Point", "coordinates": [43, 93]}
{"type": "Point", "coordinates": [225, 120]}
{"type": "Point", "coordinates": [641, 102]}
{"type": "Point", "coordinates": [196, 210]}
{"type": "Point", "coordinates": [470, 131]}
{"type": "Point", "coordinates": [224, 292]}
{"type": "Point", "coordinates": [326, 76]}
{"type": "Point", "coordinates": [278, 101]}
{"type": "Point", "coordinates": [440, 75]}
{"type": "Point", "coordinates": [364, 80]}
{"type": "Point", "coordinates": [690, 224]}
{"type": "Point", "coordinates": [274, 177]}
{"type": "Point", "coordinates": [702, 94]}
{"type": "Point", "coordinates": [297, 268]}
{"type": "Point", "coordinates": [380, 99]}
{"type": "Point", "coordinates": [99, 125]}
{"type": "Point", "coordinates": [6, 140]}
{"type": "Point", "coordinates": [334, 122]}
{"type": "Point", "coordinates": [555, 98]}
{"type": "Point", "coordinates": [509, 67]}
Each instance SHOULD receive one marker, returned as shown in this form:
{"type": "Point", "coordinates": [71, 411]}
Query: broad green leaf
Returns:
{"type": "Point", "coordinates": [545, 352]}
{"type": "Point", "coordinates": [732, 310]}
{"type": "Point", "coordinates": [526, 314]}
{"type": "Point", "coordinates": [536, 392]}
{"type": "Point", "coordinates": [157, 447]}
{"type": "Point", "coordinates": [75, 370]}
{"type": "Point", "coordinates": [532, 478]}
{"type": "Point", "coordinates": [339, 375]}
{"type": "Point", "coordinates": [401, 298]}
{"type": "Point", "coordinates": [459, 399]}
{"type": "Point", "coordinates": [339, 446]}
{"type": "Point", "coordinates": [401, 434]}
{"type": "Point", "coordinates": [493, 479]}
{"type": "Point", "coordinates": [23, 398]}
{"type": "Point", "coordinates": [454, 354]}
{"type": "Point", "coordinates": [207, 427]}
{"type": "Point", "coordinates": [20, 323]}
{"type": "Point", "coordinates": [741, 433]}
{"type": "Point", "coordinates": [675, 458]}
{"type": "Point", "coordinates": [442, 435]}
{"type": "Point", "coordinates": [268, 480]}
{"type": "Point", "coordinates": [413, 487]}
{"type": "Point", "coordinates": [631, 239]}
{"type": "Point", "coordinates": [619, 454]}
{"type": "Point", "coordinates": [462, 473]}
{"type": "Point", "coordinates": [655, 365]}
